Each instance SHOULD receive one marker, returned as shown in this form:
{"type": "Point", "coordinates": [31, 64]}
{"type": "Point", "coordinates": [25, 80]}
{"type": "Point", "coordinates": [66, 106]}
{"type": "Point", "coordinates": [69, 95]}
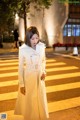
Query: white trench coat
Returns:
{"type": "Point", "coordinates": [32, 105]}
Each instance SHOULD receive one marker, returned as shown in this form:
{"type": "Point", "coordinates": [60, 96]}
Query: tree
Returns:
{"type": "Point", "coordinates": [25, 5]}
{"type": "Point", "coordinates": [8, 8]}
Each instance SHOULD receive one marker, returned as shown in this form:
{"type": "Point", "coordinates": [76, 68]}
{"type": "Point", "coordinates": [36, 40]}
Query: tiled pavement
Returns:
{"type": "Point", "coordinates": [62, 85]}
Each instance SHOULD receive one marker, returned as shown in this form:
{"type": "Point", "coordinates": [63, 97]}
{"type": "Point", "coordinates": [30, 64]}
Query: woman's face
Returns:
{"type": "Point", "coordinates": [34, 40]}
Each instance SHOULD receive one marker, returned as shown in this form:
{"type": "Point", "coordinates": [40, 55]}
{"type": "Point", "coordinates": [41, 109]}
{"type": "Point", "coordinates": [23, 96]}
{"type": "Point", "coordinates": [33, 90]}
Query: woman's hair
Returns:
{"type": "Point", "coordinates": [30, 32]}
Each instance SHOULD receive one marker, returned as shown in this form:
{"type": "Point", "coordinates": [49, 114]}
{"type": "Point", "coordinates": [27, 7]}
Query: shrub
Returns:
{"type": "Point", "coordinates": [8, 39]}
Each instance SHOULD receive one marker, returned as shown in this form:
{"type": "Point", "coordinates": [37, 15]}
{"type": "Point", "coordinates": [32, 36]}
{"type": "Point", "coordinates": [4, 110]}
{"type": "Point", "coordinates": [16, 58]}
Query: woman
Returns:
{"type": "Point", "coordinates": [31, 101]}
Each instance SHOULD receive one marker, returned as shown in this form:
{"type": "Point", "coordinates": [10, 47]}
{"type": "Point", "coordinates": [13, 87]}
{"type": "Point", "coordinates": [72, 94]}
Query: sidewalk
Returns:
{"type": "Point", "coordinates": [48, 50]}
{"type": "Point", "coordinates": [8, 50]}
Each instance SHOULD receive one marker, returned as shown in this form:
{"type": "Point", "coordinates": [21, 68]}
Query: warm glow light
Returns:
{"type": "Point", "coordinates": [9, 83]}
{"type": "Point", "coordinates": [50, 60]}
{"type": "Point", "coordinates": [8, 61]}
{"type": "Point", "coordinates": [8, 64]}
{"type": "Point", "coordinates": [8, 96]}
{"type": "Point", "coordinates": [9, 68]}
{"type": "Point", "coordinates": [28, 20]}
{"type": "Point", "coordinates": [8, 74]}
{"type": "Point", "coordinates": [12, 31]}
{"type": "Point", "coordinates": [49, 27]}
{"type": "Point", "coordinates": [61, 68]}
{"type": "Point", "coordinates": [63, 104]}
{"type": "Point", "coordinates": [21, 29]}
{"type": "Point", "coordinates": [16, 16]}
{"type": "Point", "coordinates": [16, 19]}
{"type": "Point", "coordinates": [55, 19]}
{"type": "Point", "coordinates": [55, 64]}
{"type": "Point", "coordinates": [62, 87]}
{"type": "Point", "coordinates": [62, 76]}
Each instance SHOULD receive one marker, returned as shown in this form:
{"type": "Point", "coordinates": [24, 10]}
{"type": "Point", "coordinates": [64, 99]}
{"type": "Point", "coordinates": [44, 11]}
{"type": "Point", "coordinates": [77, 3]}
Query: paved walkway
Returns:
{"type": "Point", "coordinates": [63, 89]}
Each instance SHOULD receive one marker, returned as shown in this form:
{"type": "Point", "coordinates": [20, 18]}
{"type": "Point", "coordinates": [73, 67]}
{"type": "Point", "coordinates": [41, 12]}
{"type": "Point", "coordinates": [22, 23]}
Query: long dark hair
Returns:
{"type": "Point", "coordinates": [30, 32]}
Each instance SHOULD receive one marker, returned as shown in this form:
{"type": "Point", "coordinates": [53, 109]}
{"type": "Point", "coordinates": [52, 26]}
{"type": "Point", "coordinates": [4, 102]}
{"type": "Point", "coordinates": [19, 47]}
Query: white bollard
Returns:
{"type": "Point", "coordinates": [75, 51]}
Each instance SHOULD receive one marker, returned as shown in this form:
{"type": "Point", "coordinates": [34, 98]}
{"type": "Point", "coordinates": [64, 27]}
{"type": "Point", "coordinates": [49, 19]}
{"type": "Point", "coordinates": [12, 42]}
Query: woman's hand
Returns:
{"type": "Point", "coordinates": [22, 89]}
{"type": "Point", "coordinates": [43, 76]}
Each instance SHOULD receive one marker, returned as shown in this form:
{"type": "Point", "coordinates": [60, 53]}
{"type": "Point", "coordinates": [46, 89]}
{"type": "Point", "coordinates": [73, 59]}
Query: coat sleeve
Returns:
{"type": "Point", "coordinates": [21, 68]}
{"type": "Point", "coordinates": [44, 61]}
